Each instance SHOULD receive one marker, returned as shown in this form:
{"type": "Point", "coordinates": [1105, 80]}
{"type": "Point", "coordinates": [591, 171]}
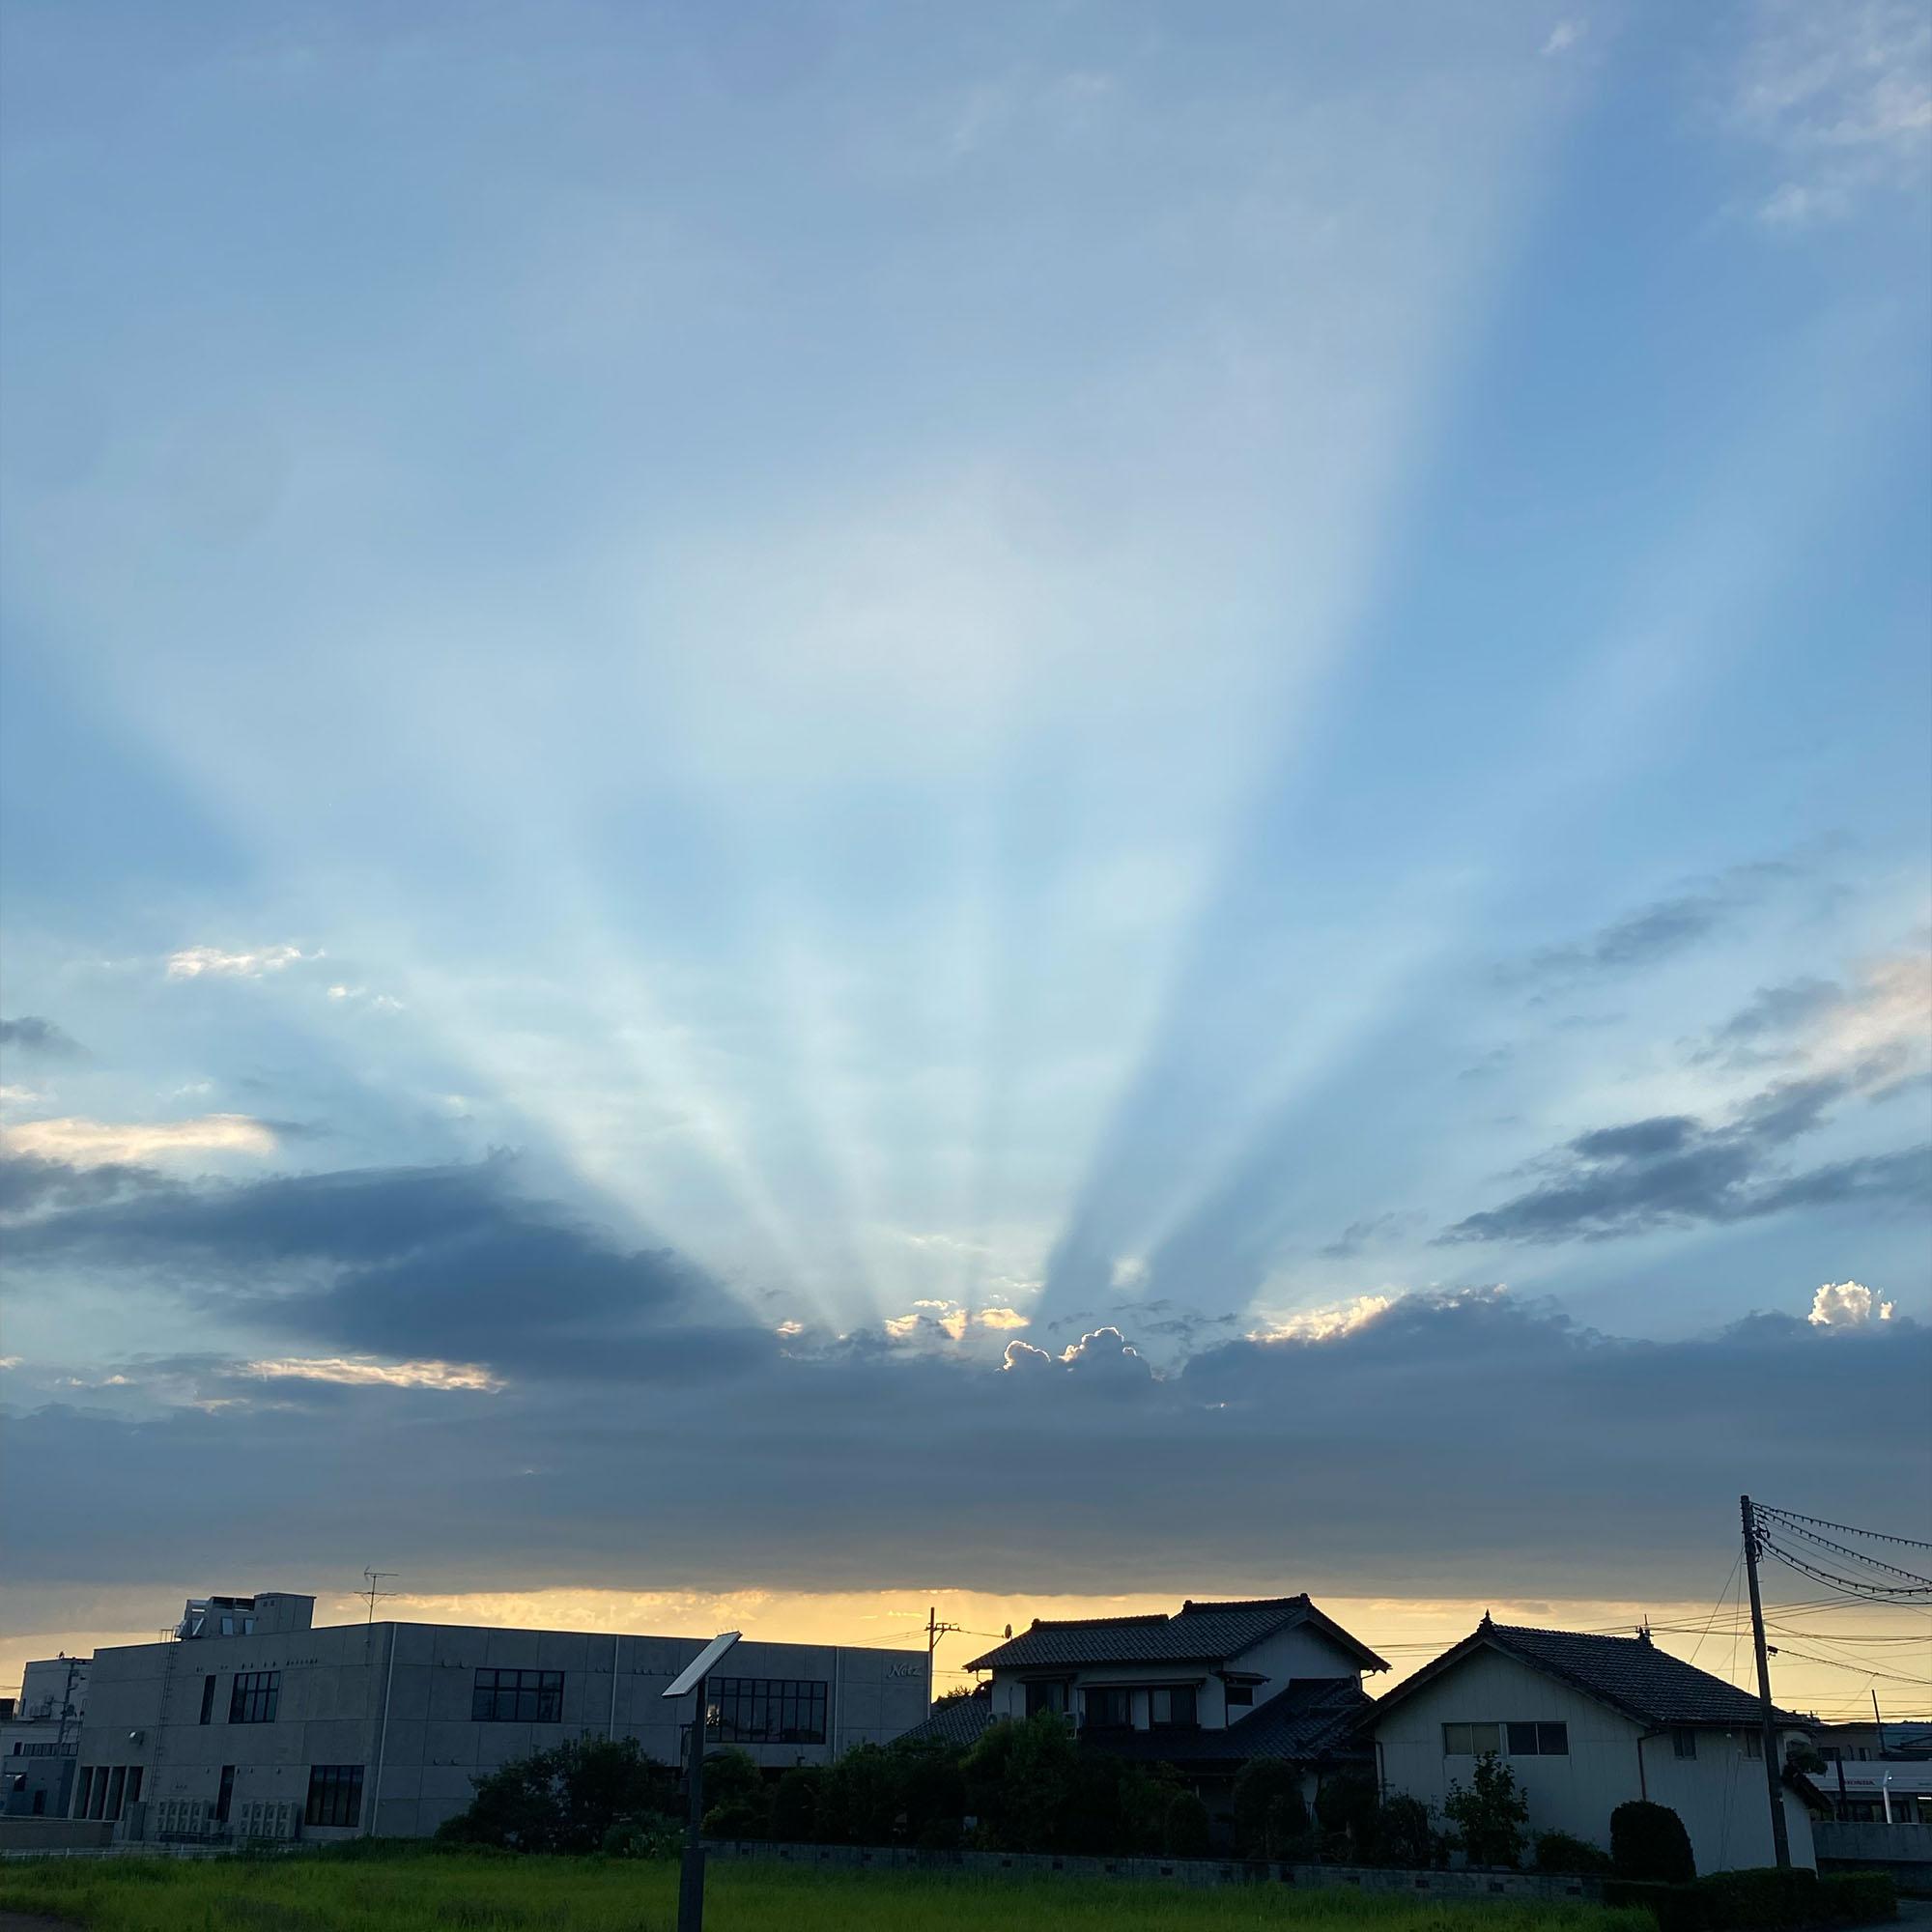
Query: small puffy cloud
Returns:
{"type": "Point", "coordinates": [1130, 1271]}
{"type": "Point", "coordinates": [1564, 36]}
{"type": "Point", "coordinates": [196, 962]}
{"type": "Point", "coordinates": [84, 1143]}
{"type": "Point", "coordinates": [1104, 1352]}
{"type": "Point", "coordinates": [363, 1372]}
{"type": "Point", "coordinates": [1004, 1319]}
{"type": "Point", "coordinates": [379, 1003]}
{"type": "Point", "coordinates": [1847, 1305]}
{"type": "Point", "coordinates": [39, 1039]}
{"type": "Point", "coordinates": [1322, 1324]}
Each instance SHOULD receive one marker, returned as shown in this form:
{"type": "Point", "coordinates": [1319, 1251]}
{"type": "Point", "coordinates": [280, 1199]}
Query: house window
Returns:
{"type": "Point", "coordinates": [1046, 1698]}
{"type": "Point", "coordinates": [208, 1700]}
{"type": "Point", "coordinates": [1110, 1709]}
{"type": "Point", "coordinates": [224, 1799]}
{"type": "Point", "coordinates": [770, 1710]}
{"type": "Point", "coordinates": [1471, 1740]}
{"type": "Point", "coordinates": [254, 1696]}
{"type": "Point", "coordinates": [518, 1697]}
{"type": "Point", "coordinates": [1684, 1741]}
{"type": "Point", "coordinates": [334, 1795]}
{"type": "Point", "coordinates": [1754, 1744]}
{"type": "Point", "coordinates": [1539, 1739]}
{"type": "Point", "coordinates": [1240, 1693]}
{"type": "Point", "coordinates": [1167, 1708]}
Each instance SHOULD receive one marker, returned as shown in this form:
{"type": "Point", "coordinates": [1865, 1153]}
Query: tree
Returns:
{"type": "Point", "coordinates": [566, 1798]}
{"type": "Point", "coordinates": [795, 1808]}
{"type": "Point", "coordinates": [1401, 1837]}
{"type": "Point", "coordinates": [1270, 1814]}
{"type": "Point", "coordinates": [1019, 1778]}
{"type": "Point", "coordinates": [1649, 1841]}
{"type": "Point", "coordinates": [737, 1803]}
{"type": "Point", "coordinates": [1489, 1813]}
{"type": "Point", "coordinates": [1187, 1829]}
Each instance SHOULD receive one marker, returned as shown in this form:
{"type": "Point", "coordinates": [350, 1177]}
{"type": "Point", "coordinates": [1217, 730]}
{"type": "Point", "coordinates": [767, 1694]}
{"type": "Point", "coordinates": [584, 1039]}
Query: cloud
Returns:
{"type": "Point", "coordinates": [1658, 931]}
{"type": "Point", "coordinates": [1879, 1029]}
{"type": "Point", "coordinates": [1564, 36]}
{"type": "Point", "coordinates": [1337, 1449]}
{"type": "Point", "coordinates": [1674, 1170]}
{"type": "Point", "coordinates": [39, 1038]}
{"type": "Point", "coordinates": [1322, 1324]}
{"type": "Point", "coordinates": [1003, 1319]}
{"type": "Point", "coordinates": [416, 1264]}
{"type": "Point", "coordinates": [1840, 98]}
{"type": "Point", "coordinates": [1358, 1234]}
{"type": "Point", "coordinates": [92, 1142]}
{"type": "Point", "coordinates": [1847, 1305]}
{"type": "Point", "coordinates": [196, 963]}
{"type": "Point", "coordinates": [365, 1373]}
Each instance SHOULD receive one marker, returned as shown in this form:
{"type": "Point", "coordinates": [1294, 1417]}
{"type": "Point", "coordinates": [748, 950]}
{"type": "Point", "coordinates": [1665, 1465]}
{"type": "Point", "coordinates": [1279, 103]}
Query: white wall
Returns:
{"type": "Point", "coordinates": [1720, 1795]}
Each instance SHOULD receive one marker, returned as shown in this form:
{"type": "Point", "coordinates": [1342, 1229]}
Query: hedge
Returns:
{"type": "Point", "coordinates": [1761, 1900]}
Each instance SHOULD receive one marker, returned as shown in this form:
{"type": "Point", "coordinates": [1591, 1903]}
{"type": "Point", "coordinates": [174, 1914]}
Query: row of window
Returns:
{"type": "Point", "coordinates": [104, 1788]}
{"type": "Point", "coordinates": [48, 1749]}
{"type": "Point", "coordinates": [518, 1697]}
{"type": "Point", "coordinates": [252, 1697]}
{"type": "Point", "coordinates": [769, 1710]}
{"type": "Point", "coordinates": [1110, 1706]}
{"type": "Point", "coordinates": [1524, 1740]}
{"type": "Point", "coordinates": [334, 1795]}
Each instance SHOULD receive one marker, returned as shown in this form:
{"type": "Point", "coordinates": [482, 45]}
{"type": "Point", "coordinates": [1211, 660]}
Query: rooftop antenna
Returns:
{"type": "Point", "coordinates": [375, 1592]}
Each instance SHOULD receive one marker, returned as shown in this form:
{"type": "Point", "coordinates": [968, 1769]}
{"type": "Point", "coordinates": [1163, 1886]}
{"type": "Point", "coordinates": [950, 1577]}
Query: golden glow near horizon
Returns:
{"type": "Point", "coordinates": [1831, 1658]}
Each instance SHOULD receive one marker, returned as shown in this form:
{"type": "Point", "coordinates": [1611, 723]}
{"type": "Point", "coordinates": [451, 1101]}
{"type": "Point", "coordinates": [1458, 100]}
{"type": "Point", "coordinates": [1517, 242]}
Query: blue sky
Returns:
{"type": "Point", "coordinates": [778, 708]}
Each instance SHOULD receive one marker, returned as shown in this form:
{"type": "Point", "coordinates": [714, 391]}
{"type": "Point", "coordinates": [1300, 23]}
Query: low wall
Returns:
{"type": "Point", "coordinates": [1905, 1851]}
{"type": "Point", "coordinates": [54, 1834]}
{"type": "Point", "coordinates": [1172, 1871]}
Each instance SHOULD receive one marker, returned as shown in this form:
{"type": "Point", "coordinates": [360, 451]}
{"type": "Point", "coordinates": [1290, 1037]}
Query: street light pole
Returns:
{"type": "Point", "coordinates": [695, 1677]}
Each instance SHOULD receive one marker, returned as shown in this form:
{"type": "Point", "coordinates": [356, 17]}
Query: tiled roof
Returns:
{"type": "Point", "coordinates": [959, 1723]}
{"type": "Point", "coordinates": [1630, 1673]}
{"type": "Point", "coordinates": [1315, 1718]}
{"type": "Point", "coordinates": [1199, 1632]}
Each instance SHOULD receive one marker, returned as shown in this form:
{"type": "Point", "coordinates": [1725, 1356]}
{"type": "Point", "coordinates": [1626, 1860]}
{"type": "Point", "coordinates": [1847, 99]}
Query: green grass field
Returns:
{"type": "Point", "coordinates": [418, 1893]}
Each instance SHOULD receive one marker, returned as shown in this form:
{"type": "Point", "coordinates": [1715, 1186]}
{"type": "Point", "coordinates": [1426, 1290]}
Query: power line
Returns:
{"type": "Point", "coordinates": [1877, 1535]}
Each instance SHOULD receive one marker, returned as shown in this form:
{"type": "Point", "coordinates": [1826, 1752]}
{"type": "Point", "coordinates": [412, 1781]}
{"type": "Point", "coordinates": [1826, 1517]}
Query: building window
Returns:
{"type": "Point", "coordinates": [1471, 1740]}
{"type": "Point", "coordinates": [1754, 1744]}
{"type": "Point", "coordinates": [1110, 1709]}
{"type": "Point", "coordinates": [1240, 1693]}
{"type": "Point", "coordinates": [770, 1710]}
{"type": "Point", "coordinates": [1684, 1741]}
{"type": "Point", "coordinates": [334, 1795]}
{"type": "Point", "coordinates": [254, 1698]}
{"type": "Point", "coordinates": [1046, 1698]}
{"type": "Point", "coordinates": [1539, 1739]}
{"type": "Point", "coordinates": [224, 1799]}
{"type": "Point", "coordinates": [518, 1697]}
{"type": "Point", "coordinates": [208, 1699]}
{"type": "Point", "coordinates": [1169, 1707]}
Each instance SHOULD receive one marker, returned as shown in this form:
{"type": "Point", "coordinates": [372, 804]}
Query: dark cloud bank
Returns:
{"type": "Point", "coordinates": [648, 1436]}
{"type": "Point", "coordinates": [36, 1039]}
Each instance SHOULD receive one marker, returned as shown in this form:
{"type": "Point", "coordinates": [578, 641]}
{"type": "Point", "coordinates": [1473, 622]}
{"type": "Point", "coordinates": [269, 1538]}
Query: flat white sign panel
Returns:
{"type": "Point", "coordinates": [686, 1681]}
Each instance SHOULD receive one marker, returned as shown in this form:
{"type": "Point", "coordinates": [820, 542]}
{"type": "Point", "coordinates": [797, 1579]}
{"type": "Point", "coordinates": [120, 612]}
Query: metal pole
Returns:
{"type": "Point", "coordinates": [690, 1878]}
{"type": "Point", "coordinates": [1780, 1837]}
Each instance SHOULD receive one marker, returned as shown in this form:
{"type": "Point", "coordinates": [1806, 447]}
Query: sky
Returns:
{"type": "Point", "coordinates": [811, 808]}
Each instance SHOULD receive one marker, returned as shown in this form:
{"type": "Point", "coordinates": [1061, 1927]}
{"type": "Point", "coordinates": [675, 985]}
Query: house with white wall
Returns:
{"type": "Point", "coordinates": [1585, 1722]}
{"type": "Point", "coordinates": [1207, 1689]}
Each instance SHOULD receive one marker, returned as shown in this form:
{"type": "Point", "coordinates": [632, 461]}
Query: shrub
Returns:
{"type": "Point", "coordinates": [1560, 1852]}
{"type": "Point", "coordinates": [1346, 1807]}
{"type": "Point", "coordinates": [1676, 1908]}
{"type": "Point", "coordinates": [1764, 1896]}
{"type": "Point", "coordinates": [795, 1808]}
{"type": "Point", "coordinates": [1859, 1898]}
{"type": "Point", "coordinates": [1489, 1813]}
{"type": "Point", "coordinates": [1649, 1841]}
{"type": "Point", "coordinates": [653, 1837]}
{"type": "Point", "coordinates": [1188, 1831]}
{"type": "Point", "coordinates": [1269, 1811]}
{"type": "Point", "coordinates": [565, 1798]}
{"type": "Point", "coordinates": [1401, 1837]}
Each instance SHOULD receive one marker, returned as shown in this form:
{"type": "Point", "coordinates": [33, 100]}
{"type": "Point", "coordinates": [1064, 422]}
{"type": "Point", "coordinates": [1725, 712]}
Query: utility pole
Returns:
{"type": "Point", "coordinates": [934, 1631]}
{"type": "Point", "coordinates": [1780, 1837]}
{"type": "Point", "coordinates": [1880, 1723]}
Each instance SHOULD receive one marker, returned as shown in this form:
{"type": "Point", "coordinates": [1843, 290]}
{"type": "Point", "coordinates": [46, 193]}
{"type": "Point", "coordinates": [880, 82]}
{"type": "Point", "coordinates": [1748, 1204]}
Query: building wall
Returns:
{"type": "Point", "coordinates": [396, 1698]}
{"type": "Point", "coordinates": [1720, 1795]}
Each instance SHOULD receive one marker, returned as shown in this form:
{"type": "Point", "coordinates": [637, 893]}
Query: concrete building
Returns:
{"type": "Point", "coordinates": [1585, 1722]}
{"type": "Point", "coordinates": [254, 1723]}
{"type": "Point", "coordinates": [1207, 1689]}
{"type": "Point", "coordinates": [40, 1732]}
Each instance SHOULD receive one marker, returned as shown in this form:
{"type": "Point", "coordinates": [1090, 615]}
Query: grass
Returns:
{"type": "Point", "coordinates": [413, 1891]}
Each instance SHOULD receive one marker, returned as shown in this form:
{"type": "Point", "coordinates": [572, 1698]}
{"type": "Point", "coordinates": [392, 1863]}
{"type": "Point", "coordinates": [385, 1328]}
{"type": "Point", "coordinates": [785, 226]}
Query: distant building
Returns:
{"type": "Point", "coordinates": [1586, 1722]}
{"type": "Point", "coordinates": [1858, 1743]}
{"type": "Point", "coordinates": [1207, 1689]}
{"type": "Point", "coordinates": [39, 1731]}
{"type": "Point", "coordinates": [255, 1725]}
